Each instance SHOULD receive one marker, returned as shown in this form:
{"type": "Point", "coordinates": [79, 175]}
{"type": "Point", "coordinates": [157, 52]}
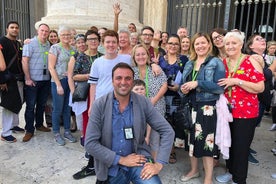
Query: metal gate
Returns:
{"type": "Point", "coordinates": [17, 10]}
{"type": "Point", "coordinates": [251, 16]}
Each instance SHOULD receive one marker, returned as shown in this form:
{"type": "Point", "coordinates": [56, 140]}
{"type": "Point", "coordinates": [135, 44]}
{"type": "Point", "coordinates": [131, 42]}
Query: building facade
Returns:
{"type": "Point", "coordinates": [250, 16]}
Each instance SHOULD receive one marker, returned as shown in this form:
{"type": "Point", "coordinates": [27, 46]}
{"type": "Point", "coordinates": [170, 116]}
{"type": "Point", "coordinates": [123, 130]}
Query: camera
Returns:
{"type": "Point", "coordinates": [170, 81]}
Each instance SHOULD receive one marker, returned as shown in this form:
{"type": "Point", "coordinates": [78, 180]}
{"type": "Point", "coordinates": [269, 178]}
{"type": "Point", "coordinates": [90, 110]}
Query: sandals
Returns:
{"type": "Point", "coordinates": [172, 159]}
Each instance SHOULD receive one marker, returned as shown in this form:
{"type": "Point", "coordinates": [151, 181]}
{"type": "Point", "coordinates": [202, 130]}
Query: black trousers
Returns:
{"type": "Point", "coordinates": [242, 133]}
{"type": "Point", "coordinates": [273, 113]}
{"type": "Point", "coordinates": [102, 182]}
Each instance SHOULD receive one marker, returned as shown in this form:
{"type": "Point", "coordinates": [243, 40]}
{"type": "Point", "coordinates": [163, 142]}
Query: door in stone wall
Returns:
{"type": "Point", "coordinates": [17, 10]}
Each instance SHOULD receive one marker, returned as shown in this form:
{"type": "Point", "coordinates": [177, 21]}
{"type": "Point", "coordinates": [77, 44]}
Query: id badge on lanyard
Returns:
{"type": "Point", "coordinates": [128, 132]}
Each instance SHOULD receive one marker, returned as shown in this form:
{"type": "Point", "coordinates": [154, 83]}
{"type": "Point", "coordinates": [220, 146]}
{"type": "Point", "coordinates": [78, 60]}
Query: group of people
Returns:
{"type": "Point", "coordinates": [136, 83]}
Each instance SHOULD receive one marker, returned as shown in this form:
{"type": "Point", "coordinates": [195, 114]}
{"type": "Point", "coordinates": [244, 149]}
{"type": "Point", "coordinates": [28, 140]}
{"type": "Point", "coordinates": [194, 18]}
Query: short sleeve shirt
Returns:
{"type": "Point", "coordinates": [154, 84]}
{"type": "Point", "coordinates": [38, 59]}
{"type": "Point", "coordinates": [244, 104]}
{"type": "Point", "coordinates": [101, 73]}
{"type": "Point", "coordinates": [63, 56]}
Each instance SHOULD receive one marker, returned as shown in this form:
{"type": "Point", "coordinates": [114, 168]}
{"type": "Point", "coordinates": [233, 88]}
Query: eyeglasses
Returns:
{"type": "Point", "coordinates": [92, 39]}
{"type": "Point", "coordinates": [66, 35]}
{"type": "Point", "coordinates": [149, 35]}
{"type": "Point", "coordinates": [260, 39]}
{"type": "Point", "coordinates": [173, 44]}
{"type": "Point", "coordinates": [218, 37]}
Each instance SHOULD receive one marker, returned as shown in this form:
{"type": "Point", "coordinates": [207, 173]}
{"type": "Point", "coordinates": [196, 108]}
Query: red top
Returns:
{"type": "Point", "coordinates": [244, 104]}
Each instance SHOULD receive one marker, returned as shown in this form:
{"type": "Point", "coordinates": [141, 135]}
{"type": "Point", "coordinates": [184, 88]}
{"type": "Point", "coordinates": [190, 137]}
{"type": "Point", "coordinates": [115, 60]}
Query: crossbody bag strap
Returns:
{"type": "Point", "coordinates": [15, 56]}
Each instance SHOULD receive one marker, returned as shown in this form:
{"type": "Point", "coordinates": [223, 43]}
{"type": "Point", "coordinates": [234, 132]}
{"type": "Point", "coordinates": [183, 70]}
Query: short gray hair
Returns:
{"type": "Point", "coordinates": [124, 31]}
{"type": "Point", "coordinates": [236, 34]}
{"type": "Point", "coordinates": [63, 28]}
{"type": "Point", "coordinates": [134, 34]}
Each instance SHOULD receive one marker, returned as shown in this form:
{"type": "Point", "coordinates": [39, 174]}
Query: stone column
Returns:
{"type": "Point", "coordinates": [155, 14]}
{"type": "Point", "coordinates": [82, 14]}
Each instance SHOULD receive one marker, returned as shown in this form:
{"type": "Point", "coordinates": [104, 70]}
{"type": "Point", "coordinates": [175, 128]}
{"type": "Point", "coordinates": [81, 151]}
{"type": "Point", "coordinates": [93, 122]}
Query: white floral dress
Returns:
{"type": "Point", "coordinates": [202, 137]}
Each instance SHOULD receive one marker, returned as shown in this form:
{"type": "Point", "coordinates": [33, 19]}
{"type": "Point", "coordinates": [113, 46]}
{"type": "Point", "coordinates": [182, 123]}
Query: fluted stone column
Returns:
{"type": "Point", "coordinates": [82, 14]}
{"type": "Point", "coordinates": [155, 13]}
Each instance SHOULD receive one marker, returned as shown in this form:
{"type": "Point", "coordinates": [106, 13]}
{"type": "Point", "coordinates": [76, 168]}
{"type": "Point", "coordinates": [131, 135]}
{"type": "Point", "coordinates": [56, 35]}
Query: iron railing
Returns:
{"type": "Point", "coordinates": [249, 16]}
{"type": "Point", "coordinates": [17, 10]}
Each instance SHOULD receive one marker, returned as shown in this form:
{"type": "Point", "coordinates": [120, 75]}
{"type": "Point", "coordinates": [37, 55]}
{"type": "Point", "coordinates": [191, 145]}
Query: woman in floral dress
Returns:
{"type": "Point", "coordinates": [199, 85]}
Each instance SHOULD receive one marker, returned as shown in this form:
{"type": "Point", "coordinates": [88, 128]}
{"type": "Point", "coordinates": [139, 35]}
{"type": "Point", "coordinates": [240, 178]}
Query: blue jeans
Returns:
{"type": "Point", "coordinates": [61, 106]}
{"type": "Point", "coordinates": [36, 97]}
{"type": "Point", "coordinates": [133, 175]}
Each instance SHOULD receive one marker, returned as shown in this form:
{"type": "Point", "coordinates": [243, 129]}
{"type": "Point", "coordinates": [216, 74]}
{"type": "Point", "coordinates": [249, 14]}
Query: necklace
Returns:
{"type": "Point", "coordinates": [232, 71]}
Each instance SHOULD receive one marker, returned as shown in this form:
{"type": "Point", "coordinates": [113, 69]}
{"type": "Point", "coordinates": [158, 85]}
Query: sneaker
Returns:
{"type": "Point", "coordinates": [70, 137]}
{"type": "Point", "coordinates": [27, 136]}
{"type": "Point", "coordinates": [253, 152]}
{"type": "Point", "coordinates": [17, 129]}
{"type": "Point", "coordinates": [273, 127]}
{"type": "Point", "coordinates": [252, 159]}
{"type": "Point", "coordinates": [85, 171]}
{"type": "Point", "coordinates": [8, 138]}
{"type": "Point", "coordinates": [224, 178]}
{"type": "Point", "coordinates": [43, 129]}
{"type": "Point", "coordinates": [273, 150]}
{"type": "Point", "coordinates": [86, 156]}
{"type": "Point", "coordinates": [59, 140]}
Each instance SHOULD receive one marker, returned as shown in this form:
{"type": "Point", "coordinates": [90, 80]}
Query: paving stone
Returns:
{"type": "Point", "coordinates": [41, 160]}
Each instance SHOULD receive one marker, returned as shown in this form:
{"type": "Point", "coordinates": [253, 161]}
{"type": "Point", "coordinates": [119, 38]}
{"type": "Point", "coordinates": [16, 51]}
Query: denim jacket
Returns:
{"type": "Point", "coordinates": [209, 73]}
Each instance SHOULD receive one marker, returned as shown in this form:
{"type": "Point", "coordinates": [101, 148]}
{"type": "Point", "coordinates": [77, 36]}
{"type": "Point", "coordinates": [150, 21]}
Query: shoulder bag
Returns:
{"type": "Point", "coordinates": [81, 91]}
{"type": "Point", "coordinates": [183, 115]}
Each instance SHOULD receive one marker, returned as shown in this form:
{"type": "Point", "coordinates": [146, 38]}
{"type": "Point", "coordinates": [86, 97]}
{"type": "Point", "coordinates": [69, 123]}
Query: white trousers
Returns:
{"type": "Point", "coordinates": [10, 119]}
{"type": "Point", "coordinates": [79, 121]}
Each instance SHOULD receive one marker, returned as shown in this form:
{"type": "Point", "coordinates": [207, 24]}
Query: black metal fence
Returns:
{"type": "Point", "coordinates": [249, 16]}
{"type": "Point", "coordinates": [17, 10]}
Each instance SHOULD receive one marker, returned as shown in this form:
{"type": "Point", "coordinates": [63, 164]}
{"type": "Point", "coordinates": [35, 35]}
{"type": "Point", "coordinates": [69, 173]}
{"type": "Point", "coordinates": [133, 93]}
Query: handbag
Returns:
{"type": "Point", "coordinates": [81, 91]}
{"type": "Point", "coordinates": [183, 116]}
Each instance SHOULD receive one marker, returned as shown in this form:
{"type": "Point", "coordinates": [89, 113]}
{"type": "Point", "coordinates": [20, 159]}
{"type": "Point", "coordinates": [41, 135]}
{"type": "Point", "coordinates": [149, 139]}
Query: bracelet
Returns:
{"type": "Point", "coordinates": [240, 83]}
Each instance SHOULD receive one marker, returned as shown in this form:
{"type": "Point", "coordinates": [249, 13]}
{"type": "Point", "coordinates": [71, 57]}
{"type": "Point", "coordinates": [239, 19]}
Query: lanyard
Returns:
{"type": "Point", "coordinates": [146, 81]}
{"type": "Point", "coordinates": [230, 75]}
{"type": "Point", "coordinates": [194, 73]}
{"type": "Point", "coordinates": [44, 52]}
{"type": "Point", "coordinates": [63, 50]}
{"type": "Point", "coordinates": [92, 58]}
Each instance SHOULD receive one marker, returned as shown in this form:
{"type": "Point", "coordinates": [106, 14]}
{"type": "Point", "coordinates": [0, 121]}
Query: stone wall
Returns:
{"type": "Point", "coordinates": [82, 14]}
{"type": "Point", "coordinates": [155, 14]}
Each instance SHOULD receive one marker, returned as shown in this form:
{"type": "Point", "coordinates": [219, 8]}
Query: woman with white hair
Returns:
{"type": "Point", "coordinates": [243, 81]}
{"type": "Point", "coordinates": [124, 42]}
{"type": "Point", "coordinates": [59, 56]}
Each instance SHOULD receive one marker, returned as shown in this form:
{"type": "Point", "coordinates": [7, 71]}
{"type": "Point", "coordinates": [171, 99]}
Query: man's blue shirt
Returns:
{"type": "Point", "coordinates": [120, 145]}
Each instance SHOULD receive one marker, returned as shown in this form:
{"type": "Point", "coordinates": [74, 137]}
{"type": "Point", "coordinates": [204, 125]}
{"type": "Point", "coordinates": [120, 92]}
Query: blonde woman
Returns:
{"type": "Point", "coordinates": [200, 77]}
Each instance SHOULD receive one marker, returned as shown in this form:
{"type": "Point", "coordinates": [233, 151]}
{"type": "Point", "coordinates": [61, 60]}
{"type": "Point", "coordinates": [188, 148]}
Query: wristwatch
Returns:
{"type": "Point", "coordinates": [240, 83]}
